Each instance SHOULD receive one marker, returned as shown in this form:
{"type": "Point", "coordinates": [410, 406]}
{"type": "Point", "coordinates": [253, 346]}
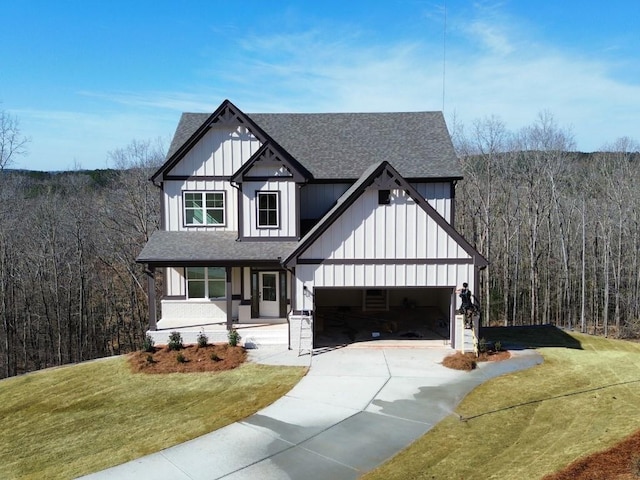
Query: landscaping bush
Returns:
{"type": "Point", "coordinates": [148, 345]}
{"type": "Point", "coordinates": [203, 340]}
{"type": "Point", "coordinates": [234, 337]}
{"type": "Point", "coordinates": [175, 341]}
{"type": "Point", "coordinates": [180, 358]}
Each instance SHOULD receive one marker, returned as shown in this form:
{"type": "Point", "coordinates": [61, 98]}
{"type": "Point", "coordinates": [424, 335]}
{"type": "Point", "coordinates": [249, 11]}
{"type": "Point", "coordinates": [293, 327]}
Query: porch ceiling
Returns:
{"type": "Point", "coordinates": [186, 248]}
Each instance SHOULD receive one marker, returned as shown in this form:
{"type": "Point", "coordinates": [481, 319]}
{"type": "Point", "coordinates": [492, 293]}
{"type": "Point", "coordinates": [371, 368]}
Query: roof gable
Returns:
{"type": "Point", "coordinates": [336, 146]}
{"type": "Point", "coordinates": [270, 152]}
{"type": "Point", "coordinates": [192, 127]}
{"type": "Point", "coordinates": [380, 176]}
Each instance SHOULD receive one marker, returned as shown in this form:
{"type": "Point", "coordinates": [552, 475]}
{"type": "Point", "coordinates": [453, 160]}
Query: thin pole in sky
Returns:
{"type": "Point", "coordinates": [444, 53]}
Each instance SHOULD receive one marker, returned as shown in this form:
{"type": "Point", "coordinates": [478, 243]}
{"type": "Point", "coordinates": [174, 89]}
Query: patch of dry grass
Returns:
{"type": "Point", "coordinates": [584, 398]}
{"type": "Point", "coordinates": [71, 421]}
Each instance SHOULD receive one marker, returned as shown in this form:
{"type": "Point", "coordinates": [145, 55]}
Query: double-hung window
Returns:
{"type": "Point", "coordinates": [206, 282]}
{"type": "Point", "coordinates": [268, 214]}
{"type": "Point", "coordinates": [203, 208]}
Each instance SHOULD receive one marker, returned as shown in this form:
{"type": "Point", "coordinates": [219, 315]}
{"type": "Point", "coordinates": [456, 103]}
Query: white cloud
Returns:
{"type": "Point", "coordinates": [495, 66]}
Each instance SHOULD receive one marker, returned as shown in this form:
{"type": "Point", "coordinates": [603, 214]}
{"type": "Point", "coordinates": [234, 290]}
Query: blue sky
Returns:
{"type": "Point", "coordinates": [87, 77]}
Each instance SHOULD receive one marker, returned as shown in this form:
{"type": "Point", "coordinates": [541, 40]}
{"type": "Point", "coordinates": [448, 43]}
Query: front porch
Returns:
{"type": "Point", "coordinates": [253, 335]}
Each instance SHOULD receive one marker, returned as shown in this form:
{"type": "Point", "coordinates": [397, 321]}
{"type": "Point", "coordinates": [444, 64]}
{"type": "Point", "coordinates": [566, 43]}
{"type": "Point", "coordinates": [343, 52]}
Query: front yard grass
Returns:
{"type": "Point", "coordinates": [584, 398]}
{"type": "Point", "coordinates": [75, 420]}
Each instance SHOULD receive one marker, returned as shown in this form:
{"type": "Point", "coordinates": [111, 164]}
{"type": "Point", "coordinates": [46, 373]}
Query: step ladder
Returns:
{"type": "Point", "coordinates": [305, 344]}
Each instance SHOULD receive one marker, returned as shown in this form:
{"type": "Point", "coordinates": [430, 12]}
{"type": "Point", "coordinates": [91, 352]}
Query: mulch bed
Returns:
{"type": "Point", "coordinates": [211, 358]}
{"type": "Point", "coordinates": [469, 361]}
{"type": "Point", "coordinates": [620, 462]}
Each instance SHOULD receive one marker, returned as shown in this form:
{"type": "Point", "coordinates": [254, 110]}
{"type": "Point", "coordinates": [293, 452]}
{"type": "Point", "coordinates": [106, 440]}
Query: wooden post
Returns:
{"type": "Point", "coordinates": [151, 296]}
{"type": "Point", "coordinates": [229, 300]}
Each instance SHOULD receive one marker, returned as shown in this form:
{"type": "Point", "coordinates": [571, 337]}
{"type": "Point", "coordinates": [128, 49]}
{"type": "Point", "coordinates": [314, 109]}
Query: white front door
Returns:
{"type": "Point", "coordinates": [269, 294]}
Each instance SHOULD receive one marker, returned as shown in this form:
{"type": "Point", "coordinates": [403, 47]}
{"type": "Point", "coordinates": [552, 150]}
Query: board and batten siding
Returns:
{"type": "Point", "coordinates": [221, 152]}
{"type": "Point", "coordinates": [400, 230]}
{"type": "Point", "coordinates": [363, 275]}
{"type": "Point", "coordinates": [174, 207]}
{"type": "Point", "coordinates": [286, 205]}
{"type": "Point", "coordinates": [438, 194]}
{"type": "Point", "coordinates": [372, 246]}
{"type": "Point", "coordinates": [318, 198]}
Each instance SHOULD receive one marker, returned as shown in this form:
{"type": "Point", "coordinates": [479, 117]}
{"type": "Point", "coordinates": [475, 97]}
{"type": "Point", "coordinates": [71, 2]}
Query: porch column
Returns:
{"type": "Point", "coordinates": [151, 296]}
{"type": "Point", "coordinates": [229, 300]}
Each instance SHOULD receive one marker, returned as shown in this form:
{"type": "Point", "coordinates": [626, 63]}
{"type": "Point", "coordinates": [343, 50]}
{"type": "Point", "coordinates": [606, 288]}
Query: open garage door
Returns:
{"type": "Point", "coordinates": [353, 315]}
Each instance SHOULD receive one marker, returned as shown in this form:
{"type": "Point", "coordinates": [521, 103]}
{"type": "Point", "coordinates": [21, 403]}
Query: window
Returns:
{"type": "Point", "coordinates": [268, 209]}
{"type": "Point", "coordinates": [204, 208]}
{"type": "Point", "coordinates": [206, 282]}
{"type": "Point", "coordinates": [384, 197]}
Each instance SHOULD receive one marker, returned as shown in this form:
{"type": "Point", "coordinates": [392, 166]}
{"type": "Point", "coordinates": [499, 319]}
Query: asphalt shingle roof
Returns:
{"type": "Point", "coordinates": [343, 145]}
{"type": "Point", "coordinates": [218, 248]}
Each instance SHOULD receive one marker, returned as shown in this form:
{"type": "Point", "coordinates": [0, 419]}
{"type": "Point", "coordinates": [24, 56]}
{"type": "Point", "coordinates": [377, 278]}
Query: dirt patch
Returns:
{"type": "Point", "coordinates": [620, 462]}
{"type": "Point", "coordinates": [191, 358]}
{"type": "Point", "coordinates": [469, 361]}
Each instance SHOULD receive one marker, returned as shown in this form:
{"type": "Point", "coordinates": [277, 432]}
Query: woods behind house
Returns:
{"type": "Point", "coordinates": [70, 289]}
{"type": "Point", "coordinates": [561, 231]}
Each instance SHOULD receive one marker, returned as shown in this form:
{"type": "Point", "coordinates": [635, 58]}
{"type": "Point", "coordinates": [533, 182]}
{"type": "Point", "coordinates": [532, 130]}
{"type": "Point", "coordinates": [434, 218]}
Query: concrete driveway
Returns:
{"type": "Point", "coordinates": [356, 408]}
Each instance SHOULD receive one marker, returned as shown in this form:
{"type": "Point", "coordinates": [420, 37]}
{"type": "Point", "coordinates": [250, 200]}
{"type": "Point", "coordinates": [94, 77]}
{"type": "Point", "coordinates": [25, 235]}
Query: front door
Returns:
{"type": "Point", "coordinates": [269, 294]}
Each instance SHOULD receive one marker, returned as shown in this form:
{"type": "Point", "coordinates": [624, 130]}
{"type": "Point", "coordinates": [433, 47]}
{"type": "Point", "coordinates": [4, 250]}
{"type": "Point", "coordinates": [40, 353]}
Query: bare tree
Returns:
{"type": "Point", "coordinates": [12, 142]}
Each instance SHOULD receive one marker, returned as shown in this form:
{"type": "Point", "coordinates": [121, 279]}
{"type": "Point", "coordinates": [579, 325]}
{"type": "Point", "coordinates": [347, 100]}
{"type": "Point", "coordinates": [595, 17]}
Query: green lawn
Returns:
{"type": "Point", "coordinates": [74, 420]}
{"type": "Point", "coordinates": [583, 398]}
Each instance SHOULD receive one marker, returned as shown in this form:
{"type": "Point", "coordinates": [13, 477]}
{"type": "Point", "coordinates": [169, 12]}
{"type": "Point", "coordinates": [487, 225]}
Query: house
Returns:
{"type": "Point", "coordinates": [341, 217]}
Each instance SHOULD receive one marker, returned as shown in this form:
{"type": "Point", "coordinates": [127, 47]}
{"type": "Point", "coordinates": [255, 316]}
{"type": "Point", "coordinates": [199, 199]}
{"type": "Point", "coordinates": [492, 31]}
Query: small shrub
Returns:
{"type": "Point", "coordinates": [150, 359]}
{"type": "Point", "coordinates": [148, 345]}
{"type": "Point", "coordinates": [180, 358]}
{"type": "Point", "coordinates": [497, 346]}
{"type": "Point", "coordinates": [215, 357]}
{"type": "Point", "coordinates": [234, 337]}
{"type": "Point", "coordinates": [175, 341]}
{"type": "Point", "coordinates": [203, 340]}
{"type": "Point", "coordinates": [483, 345]}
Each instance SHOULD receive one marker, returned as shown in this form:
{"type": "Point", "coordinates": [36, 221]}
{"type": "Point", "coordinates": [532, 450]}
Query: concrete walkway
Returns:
{"type": "Point", "coordinates": [356, 408]}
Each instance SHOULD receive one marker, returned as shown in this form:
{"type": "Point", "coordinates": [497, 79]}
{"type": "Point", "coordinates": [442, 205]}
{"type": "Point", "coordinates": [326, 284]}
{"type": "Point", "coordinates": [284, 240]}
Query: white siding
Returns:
{"type": "Point", "coordinates": [174, 281]}
{"type": "Point", "coordinates": [287, 208]}
{"type": "Point", "coordinates": [174, 209]}
{"type": "Point", "coordinates": [377, 276]}
{"type": "Point", "coordinates": [221, 152]}
{"type": "Point", "coordinates": [401, 230]}
{"type": "Point", "coordinates": [369, 237]}
{"type": "Point", "coordinates": [438, 195]}
{"type": "Point", "coordinates": [317, 199]}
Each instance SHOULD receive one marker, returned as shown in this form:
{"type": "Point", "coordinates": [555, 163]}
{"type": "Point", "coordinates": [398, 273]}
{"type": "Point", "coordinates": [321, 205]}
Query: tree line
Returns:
{"type": "Point", "coordinates": [70, 289]}
{"type": "Point", "coordinates": [560, 229]}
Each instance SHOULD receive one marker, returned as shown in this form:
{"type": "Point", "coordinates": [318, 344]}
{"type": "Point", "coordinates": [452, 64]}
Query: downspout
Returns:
{"type": "Point", "coordinates": [238, 208]}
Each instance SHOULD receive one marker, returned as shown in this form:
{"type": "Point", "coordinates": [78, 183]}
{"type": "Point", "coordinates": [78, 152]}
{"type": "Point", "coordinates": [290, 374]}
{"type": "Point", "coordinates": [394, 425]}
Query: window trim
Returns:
{"type": "Point", "coordinates": [259, 193]}
{"type": "Point", "coordinates": [203, 198]}
{"type": "Point", "coordinates": [206, 281]}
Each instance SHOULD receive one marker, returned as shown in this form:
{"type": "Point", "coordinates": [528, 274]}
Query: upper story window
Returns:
{"type": "Point", "coordinates": [204, 208]}
{"type": "Point", "coordinates": [206, 282]}
{"type": "Point", "coordinates": [268, 209]}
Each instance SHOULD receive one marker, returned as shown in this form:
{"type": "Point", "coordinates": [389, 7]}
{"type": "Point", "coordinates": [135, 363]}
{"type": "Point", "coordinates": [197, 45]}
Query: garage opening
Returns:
{"type": "Point", "coordinates": [353, 315]}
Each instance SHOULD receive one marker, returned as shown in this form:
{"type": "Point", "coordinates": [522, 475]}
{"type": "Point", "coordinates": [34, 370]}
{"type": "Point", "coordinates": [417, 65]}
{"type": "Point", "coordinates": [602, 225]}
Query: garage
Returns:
{"type": "Point", "coordinates": [355, 315]}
